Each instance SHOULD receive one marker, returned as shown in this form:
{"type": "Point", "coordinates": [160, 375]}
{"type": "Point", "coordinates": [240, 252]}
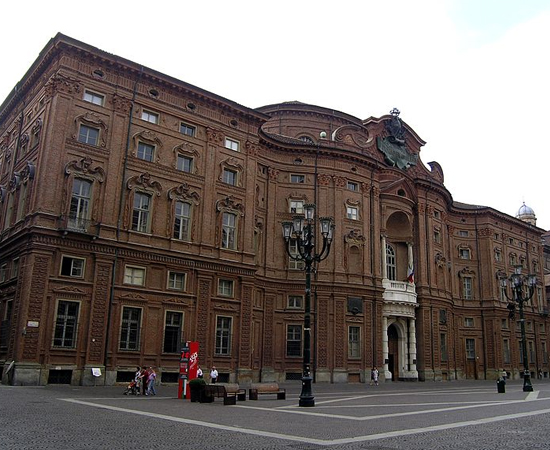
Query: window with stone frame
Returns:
{"type": "Point", "coordinates": [182, 220]}
{"type": "Point", "coordinates": [141, 213]}
{"type": "Point", "coordinates": [173, 332]}
{"type": "Point", "coordinates": [229, 231]}
{"type": "Point", "coordinates": [88, 135]}
{"type": "Point", "coordinates": [150, 116]}
{"type": "Point", "coordinates": [130, 329]}
{"type": "Point", "coordinates": [223, 335]}
{"type": "Point", "coordinates": [354, 342]}
{"type": "Point", "coordinates": [66, 324]}
{"type": "Point", "coordinates": [295, 301]}
{"type": "Point", "coordinates": [176, 280]}
{"type": "Point", "coordinates": [294, 340]}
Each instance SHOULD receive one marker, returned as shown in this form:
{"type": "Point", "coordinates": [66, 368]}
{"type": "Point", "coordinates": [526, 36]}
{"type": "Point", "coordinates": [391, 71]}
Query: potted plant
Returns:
{"type": "Point", "coordinates": [196, 386]}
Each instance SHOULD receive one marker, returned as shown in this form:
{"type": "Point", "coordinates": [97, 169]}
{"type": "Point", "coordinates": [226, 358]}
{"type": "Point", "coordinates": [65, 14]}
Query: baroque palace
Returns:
{"type": "Point", "coordinates": [139, 212]}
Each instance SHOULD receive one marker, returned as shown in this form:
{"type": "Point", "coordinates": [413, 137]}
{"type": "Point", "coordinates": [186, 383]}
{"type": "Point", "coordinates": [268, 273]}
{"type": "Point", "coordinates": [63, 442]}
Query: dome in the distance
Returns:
{"type": "Point", "coordinates": [526, 214]}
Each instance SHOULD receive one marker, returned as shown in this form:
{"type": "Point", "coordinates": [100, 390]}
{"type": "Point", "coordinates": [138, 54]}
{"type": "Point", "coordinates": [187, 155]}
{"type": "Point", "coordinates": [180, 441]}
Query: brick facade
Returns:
{"type": "Point", "coordinates": [138, 211]}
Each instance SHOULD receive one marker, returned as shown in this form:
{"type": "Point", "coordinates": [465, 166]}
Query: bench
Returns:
{"type": "Point", "coordinates": [228, 391]}
{"type": "Point", "coordinates": [266, 388]}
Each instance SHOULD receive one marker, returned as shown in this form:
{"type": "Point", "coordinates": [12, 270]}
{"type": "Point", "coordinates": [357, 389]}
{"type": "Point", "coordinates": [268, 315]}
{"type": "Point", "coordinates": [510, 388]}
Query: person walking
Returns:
{"type": "Point", "coordinates": [151, 379]}
{"type": "Point", "coordinates": [374, 376]}
{"type": "Point", "coordinates": [213, 374]}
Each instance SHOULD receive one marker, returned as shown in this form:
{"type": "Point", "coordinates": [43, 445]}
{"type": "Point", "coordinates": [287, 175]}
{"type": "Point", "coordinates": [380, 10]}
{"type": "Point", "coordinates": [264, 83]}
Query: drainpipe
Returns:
{"type": "Point", "coordinates": [480, 293]}
{"type": "Point", "coordinates": [118, 227]}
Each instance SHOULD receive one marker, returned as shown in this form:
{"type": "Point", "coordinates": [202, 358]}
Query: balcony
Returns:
{"type": "Point", "coordinates": [399, 298]}
{"type": "Point", "coordinates": [73, 224]}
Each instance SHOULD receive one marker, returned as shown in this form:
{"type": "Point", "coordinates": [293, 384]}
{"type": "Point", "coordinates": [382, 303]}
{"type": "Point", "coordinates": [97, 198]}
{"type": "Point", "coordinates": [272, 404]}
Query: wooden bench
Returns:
{"type": "Point", "coordinates": [266, 388]}
{"type": "Point", "coordinates": [228, 391]}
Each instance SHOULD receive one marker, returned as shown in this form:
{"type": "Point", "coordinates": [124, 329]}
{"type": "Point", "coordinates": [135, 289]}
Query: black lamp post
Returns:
{"type": "Point", "coordinates": [302, 230]}
{"type": "Point", "coordinates": [517, 283]}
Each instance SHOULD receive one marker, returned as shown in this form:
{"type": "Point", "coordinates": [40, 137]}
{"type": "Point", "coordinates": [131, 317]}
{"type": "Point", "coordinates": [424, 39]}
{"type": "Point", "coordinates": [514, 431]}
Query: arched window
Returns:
{"type": "Point", "coordinates": [390, 262]}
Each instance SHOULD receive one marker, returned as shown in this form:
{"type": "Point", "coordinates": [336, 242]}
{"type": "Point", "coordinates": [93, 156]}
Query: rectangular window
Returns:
{"type": "Point", "coordinates": [188, 130]}
{"type": "Point", "coordinates": [437, 237]}
{"type": "Point", "coordinates": [498, 256]}
{"type": "Point", "coordinates": [223, 335]}
{"type": "Point", "coordinates": [22, 203]}
{"type": "Point", "coordinates": [443, 316]}
{"type": "Point", "coordinates": [351, 212]}
{"type": "Point", "coordinates": [353, 186]}
{"type": "Point", "coordinates": [443, 346]}
{"type": "Point", "coordinates": [3, 272]}
{"type": "Point", "coordinates": [506, 351]}
{"type": "Point", "coordinates": [504, 324]}
{"type": "Point", "coordinates": [229, 231]}
{"type": "Point", "coordinates": [88, 135]}
{"type": "Point", "coordinates": [294, 340]}
{"type": "Point", "coordinates": [134, 275]}
{"type": "Point", "coordinates": [295, 264]}
{"type": "Point", "coordinates": [470, 349]}
{"type": "Point", "coordinates": [79, 209]}
{"type": "Point", "coordinates": [15, 268]}
{"type": "Point", "coordinates": [297, 178]}
{"type": "Point", "coordinates": [231, 144]}
{"type": "Point", "coordinates": [146, 152]}
{"type": "Point", "coordinates": [229, 177]}
{"type": "Point", "coordinates": [176, 281]}
{"type": "Point", "coordinates": [354, 342]}
{"type": "Point", "coordinates": [141, 212]}
{"type": "Point", "coordinates": [297, 206]}
{"type": "Point", "coordinates": [94, 98]}
{"type": "Point", "coordinates": [295, 301]}
{"type": "Point", "coordinates": [150, 116]}
{"type": "Point", "coordinates": [544, 352]}
{"type": "Point", "coordinates": [464, 253]}
{"type": "Point", "coordinates": [173, 328]}
{"type": "Point", "coordinates": [468, 322]}
{"type": "Point", "coordinates": [225, 288]}
{"type": "Point", "coordinates": [463, 233]}
{"type": "Point", "coordinates": [72, 267]}
{"type": "Point", "coordinates": [66, 324]}
{"type": "Point", "coordinates": [130, 328]}
{"type": "Point", "coordinates": [182, 218]}
{"type": "Point", "coordinates": [467, 292]}
{"type": "Point", "coordinates": [185, 163]}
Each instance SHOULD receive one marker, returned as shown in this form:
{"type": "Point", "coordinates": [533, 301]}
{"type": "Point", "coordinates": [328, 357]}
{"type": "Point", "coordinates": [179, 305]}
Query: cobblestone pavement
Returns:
{"type": "Point", "coordinates": [430, 415]}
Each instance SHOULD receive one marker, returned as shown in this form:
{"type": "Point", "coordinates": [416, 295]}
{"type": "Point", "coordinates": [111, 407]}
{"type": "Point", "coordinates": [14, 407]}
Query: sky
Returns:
{"type": "Point", "coordinates": [471, 77]}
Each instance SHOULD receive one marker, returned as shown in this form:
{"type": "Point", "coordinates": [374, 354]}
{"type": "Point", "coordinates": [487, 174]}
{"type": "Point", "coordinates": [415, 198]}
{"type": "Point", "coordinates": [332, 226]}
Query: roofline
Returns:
{"type": "Point", "coordinates": [60, 40]}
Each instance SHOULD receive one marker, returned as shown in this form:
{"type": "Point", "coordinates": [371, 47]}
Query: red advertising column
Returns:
{"type": "Point", "coordinates": [184, 369]}
{"type": "Point", "coordinates": [193, 364]}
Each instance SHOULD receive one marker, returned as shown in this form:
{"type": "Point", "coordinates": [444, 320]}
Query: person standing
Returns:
{"type": "Point", "coordinates": [213, 374]}
{"type": "Point", "coordinates": [199, 372]}
{"type": "Point", "coordinates": [144, 376]}
{"type": "Point", "coordinates": [151, 379]}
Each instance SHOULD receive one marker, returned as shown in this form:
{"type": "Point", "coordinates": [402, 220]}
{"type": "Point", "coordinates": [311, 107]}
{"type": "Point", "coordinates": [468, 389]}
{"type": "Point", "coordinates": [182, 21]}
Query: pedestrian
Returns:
{"type": "Point", "coordinates": [138, 378]}
{"type": "Point", "coordinates": [151, 379]}
{"type": "Point", "coordinates": [374, 376]}
{"type": "Point", "coordinates": [540, 374]}
{"type": "Point", "coordinates": [199, 372]}
{"type": "Point", "coordinates": [213, 374]}
{"type": "Point", "coordinates": [504, 375]}
{"type": "Point", "coordinates": [144, 375]}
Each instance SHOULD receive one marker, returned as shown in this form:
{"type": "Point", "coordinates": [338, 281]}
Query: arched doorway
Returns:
{"type": "Point", "coordinates": [393, 352]}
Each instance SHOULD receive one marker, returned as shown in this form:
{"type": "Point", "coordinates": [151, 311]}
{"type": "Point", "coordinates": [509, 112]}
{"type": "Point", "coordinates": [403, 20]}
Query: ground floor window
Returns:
{"type": "Point", "coordinates": [130, 328]}
{"type": "Point", "coordinates": [65, 324]}
{"type": "Point", "coordinates": [293, 340]}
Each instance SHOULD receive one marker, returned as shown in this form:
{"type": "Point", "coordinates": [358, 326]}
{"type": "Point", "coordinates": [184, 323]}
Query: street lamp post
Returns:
{"type": "Point", "coordinates": [517, 281]}
{"type": "Point", "coordinates": [302, 230]}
